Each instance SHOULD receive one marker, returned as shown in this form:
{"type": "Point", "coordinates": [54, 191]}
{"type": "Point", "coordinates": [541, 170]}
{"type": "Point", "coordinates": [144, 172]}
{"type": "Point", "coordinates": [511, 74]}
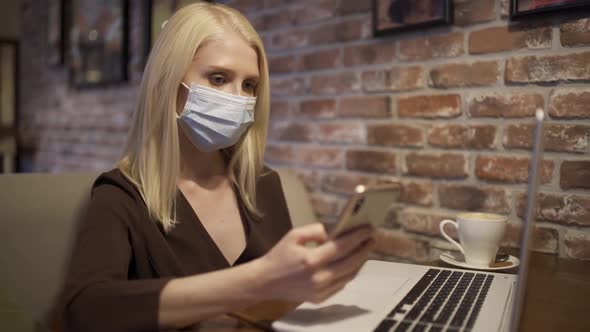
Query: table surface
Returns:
{"type": "Point", "coordinates": [557, 299]}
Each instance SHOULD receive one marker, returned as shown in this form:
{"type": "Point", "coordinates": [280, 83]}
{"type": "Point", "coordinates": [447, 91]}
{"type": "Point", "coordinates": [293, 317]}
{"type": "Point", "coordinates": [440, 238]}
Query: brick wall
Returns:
{"type": "Point", "coordinates": [447, 112]}
{"type": "Point", "coordinates": [70, 129]}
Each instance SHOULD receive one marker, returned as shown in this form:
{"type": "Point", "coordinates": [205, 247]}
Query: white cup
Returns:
{"type": "Point", "coordinates": [480, 235]}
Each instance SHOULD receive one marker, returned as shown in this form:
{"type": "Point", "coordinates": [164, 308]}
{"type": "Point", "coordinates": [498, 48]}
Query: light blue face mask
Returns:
{"type": "Point", "coordinates": [214, 120]}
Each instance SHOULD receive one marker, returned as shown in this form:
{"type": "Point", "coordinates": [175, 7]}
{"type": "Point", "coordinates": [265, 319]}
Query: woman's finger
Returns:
{"type": "Point", "coordinates": [343, 266]}
{"type": "Point", "coordinates": [340, 247]}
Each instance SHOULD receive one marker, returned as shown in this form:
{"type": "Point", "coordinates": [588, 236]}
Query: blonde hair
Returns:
{"type": "Point", "coordinates": [151, 158]}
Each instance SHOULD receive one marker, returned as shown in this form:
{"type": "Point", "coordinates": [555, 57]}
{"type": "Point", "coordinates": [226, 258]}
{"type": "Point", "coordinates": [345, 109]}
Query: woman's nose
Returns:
{"type": "Point", "coordinates": [236, 89]}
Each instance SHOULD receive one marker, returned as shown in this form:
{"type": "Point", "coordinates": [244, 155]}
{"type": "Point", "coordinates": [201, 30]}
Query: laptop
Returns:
{"type": "Point", "coordinates": [388, 297]}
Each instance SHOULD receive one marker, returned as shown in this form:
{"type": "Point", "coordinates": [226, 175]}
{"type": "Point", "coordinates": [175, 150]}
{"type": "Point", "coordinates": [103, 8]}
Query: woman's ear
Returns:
{"type": "Point", "coordinates": [181, 96]}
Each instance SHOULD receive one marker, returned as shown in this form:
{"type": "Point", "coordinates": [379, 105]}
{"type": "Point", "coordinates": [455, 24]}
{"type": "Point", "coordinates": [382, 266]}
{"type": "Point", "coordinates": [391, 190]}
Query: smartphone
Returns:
{"type": "Point", "coordinates": [368, 205]}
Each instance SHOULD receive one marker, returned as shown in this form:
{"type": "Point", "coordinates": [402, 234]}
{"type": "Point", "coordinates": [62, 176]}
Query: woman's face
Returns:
{"type": "Point", "coordinates": [228, 64]}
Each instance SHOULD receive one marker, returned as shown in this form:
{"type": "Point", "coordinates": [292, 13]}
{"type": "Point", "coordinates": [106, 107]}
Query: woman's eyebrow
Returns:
{"type": "Point", "coordinates": [213, 68]}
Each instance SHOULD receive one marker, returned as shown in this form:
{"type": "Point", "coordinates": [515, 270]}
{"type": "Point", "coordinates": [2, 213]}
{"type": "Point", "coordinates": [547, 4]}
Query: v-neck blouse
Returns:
{"type": "Point", "coordinates": [122, 260]}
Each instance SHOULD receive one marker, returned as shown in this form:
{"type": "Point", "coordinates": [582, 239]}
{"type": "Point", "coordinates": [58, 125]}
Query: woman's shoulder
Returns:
{"type": "Point", "coordinates": [114, 185]}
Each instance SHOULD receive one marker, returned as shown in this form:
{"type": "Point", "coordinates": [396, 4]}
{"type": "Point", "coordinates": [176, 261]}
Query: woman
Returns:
{"type": "Point", "coordinates": [190, 225]}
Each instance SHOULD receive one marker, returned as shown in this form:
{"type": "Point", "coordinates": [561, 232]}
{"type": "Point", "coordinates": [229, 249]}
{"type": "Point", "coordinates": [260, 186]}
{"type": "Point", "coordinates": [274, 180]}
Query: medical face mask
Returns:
{"type": "Point", "coordinates": [214, 120]}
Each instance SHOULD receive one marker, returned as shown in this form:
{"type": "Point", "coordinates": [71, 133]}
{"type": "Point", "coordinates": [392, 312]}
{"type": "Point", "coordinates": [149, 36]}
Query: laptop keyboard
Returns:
{"type": "Point", "coordinates": [442, 300]}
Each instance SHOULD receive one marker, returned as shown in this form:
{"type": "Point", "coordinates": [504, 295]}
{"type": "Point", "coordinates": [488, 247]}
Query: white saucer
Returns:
{"type": "Point", "coordinates": [457, 259]}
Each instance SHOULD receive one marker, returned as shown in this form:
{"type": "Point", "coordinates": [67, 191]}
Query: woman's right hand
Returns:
{"type": "Point", "coordinates": [295, 272]}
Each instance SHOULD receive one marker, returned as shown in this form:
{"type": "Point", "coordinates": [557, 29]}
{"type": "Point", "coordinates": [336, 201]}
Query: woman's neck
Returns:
{"type": "Point", "coordinates": [204, 168]}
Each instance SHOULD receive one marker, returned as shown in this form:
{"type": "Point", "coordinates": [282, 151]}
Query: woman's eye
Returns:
{"type": "Point", "coordinates": [249, 86]}
{"type": "Point", "coordinates": [217, 80]}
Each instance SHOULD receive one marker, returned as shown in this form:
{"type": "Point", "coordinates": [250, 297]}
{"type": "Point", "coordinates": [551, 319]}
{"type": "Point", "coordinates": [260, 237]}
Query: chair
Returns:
{"type": "Point", "coordinates": [38, 213]}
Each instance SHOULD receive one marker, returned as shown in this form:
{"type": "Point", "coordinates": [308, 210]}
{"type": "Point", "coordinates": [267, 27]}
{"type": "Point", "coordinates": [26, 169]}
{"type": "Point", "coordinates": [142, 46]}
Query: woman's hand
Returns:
{"type": "Point", "coordinates": [295, 272]}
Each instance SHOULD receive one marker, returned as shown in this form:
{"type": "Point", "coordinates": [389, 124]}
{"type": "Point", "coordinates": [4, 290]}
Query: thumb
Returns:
{"type": "Point", "coordinates": [310, 233]}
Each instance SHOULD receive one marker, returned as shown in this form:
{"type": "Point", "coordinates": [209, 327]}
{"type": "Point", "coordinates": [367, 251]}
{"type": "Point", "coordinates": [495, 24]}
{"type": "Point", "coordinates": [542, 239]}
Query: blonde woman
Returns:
{"type": "Point", "coordinates": [191, 224]}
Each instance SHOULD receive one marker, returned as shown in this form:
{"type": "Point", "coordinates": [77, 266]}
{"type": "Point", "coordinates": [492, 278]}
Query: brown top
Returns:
{"type": "Point", "coordinates": [122, 259]}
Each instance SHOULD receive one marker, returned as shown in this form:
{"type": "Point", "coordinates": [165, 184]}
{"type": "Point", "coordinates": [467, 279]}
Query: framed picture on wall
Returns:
{"type": "Point", "coordinates": [523, 8]}
{"type": "Point", "coordinates": [9, 140]}
{"type": "Point", "coordinates": [56, 32]}
{"type": "Point", "coordinates": [391, 16]}
{"type": "Point", "coordinates": [98, 42]}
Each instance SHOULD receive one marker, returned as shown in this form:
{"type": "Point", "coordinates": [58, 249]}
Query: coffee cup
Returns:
{"type": "Point", "coordinates": [479, 236]}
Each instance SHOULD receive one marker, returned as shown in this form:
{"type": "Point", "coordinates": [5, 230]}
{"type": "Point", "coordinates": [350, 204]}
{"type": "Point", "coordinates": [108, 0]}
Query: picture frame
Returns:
{"type": "Point", "coordinates": [98, 39]}
{"type": "Point", "coordinates": [56, 32]}
{"type": "Point", "coordinates": [393, 16]}
{"type": "Point", "coordinates": [527, 8]}
{"type": "Point", "coordinates": [9, 90]}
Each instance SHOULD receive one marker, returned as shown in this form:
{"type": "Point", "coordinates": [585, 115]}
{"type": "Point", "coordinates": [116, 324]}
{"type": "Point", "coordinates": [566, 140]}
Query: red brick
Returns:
{"type": "Point", "coordinates": [335, 83]}
{"type": "Point", "coordinates": [320, 9]}
{"type": "Point", "coordinates": [577, 244]}
{"type": "Point", "coordinates": [505, 38]}
{"type": "Point", "coordinates": [575, 33]}
{"type": "Point", "coordinates": [558, 137]}
{"type": "Point", "coordinates": [393, 243]}
{"type": "Point", "coordinates": [459, 75]}
{"type": "Point", "coordinates": [291, 131]}
{"type": "Point", "coordinates": [279, 109]}
{"type": "Point", "coordinates": [286, 86]}
{"type": "Point", "coordinates": [321, 59]}
{"type": "Point", "coordinates": [550, 68]}
{"type": "Point", "coordinates": [575, 174]}
{"type": "Point", "coordinates": [309, 156]}
{"type": "Point", "coordinates": [366, 107]}
{"type": "Point", "coordinates": [416, 192]}
{"type": "Point", "coordinates": [319, 108]}
{"type": "Point", "coordinates": [370, 54]}
{"type": "Point", "coordinates": [276, 3]}
{"type": "Point", "coordinates": [258, 22]}
{"type": "Point", "coordinates": [279, 19]}
{"type": "Point", "coordinates": [435, 106]}
{"type": "Point", "coordinates": [406, 78]}
{"type": "Point", "coordinates": [370, 161]}
{"type": "Point", "coordinates": [289, 39]}
{"type": "Point", "coordinates": [395, 135]}
{"type": "Point", "coordinates": [473, 11]}
{"type": "Point", "coordinates": [347, 7]}
{"type": "Point", "coordinates": [474, 198]}
{"type": "Point", "coordinates": [462, 136]}
{"type": "Point", "coordinates": [343, 183]}
{"type": "Point", "coordinates": [247, 5]}
{"type": "Point", "coordinates": [279, 154]}
{"type": "Point", "coordinates": [340, 132]}
{"type": "Point", "coordinates": [336, 32]}
{"type": "Point", "coordinates": [326, 205]}
{"type": "Point", "coordinates": [395, 79]}
{"type": "Point", "coordinates": [570, 104]}
{"type": "Point", "coordinates": [544, 239]}
{"type": "Point", "coordinates": [439, 46]}
{"type": "Point", "coordinates": [324, 157]}
{"type": "Point", "coordinates": [427, 223]}
{"type": "Point", "coordinates": [561, 209]}
{"type": "Point", "coordinates": [283, 64]}
{"type": "Point", "coordinates": [496, 105]}
{"type": "Point", "coordinates": [446, 165]}
{"type": "Point", "coordinates": [509, 169]}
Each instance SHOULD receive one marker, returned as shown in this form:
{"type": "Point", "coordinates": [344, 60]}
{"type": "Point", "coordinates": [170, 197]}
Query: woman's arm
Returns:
{"type": "Point", "coordinates": [290, 271]}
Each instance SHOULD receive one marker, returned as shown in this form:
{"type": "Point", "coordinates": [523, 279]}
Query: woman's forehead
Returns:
{"type": "Point", "coordinates": [230, 51]}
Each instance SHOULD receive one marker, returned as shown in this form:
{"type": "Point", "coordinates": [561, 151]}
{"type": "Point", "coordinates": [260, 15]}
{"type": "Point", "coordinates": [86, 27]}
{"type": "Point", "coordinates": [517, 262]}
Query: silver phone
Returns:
{"type": "Point", "coordinates": [368, 205]}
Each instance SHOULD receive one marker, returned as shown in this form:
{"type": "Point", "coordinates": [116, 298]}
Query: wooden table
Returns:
{"type": "Point", "coordinates": [557, 299]}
